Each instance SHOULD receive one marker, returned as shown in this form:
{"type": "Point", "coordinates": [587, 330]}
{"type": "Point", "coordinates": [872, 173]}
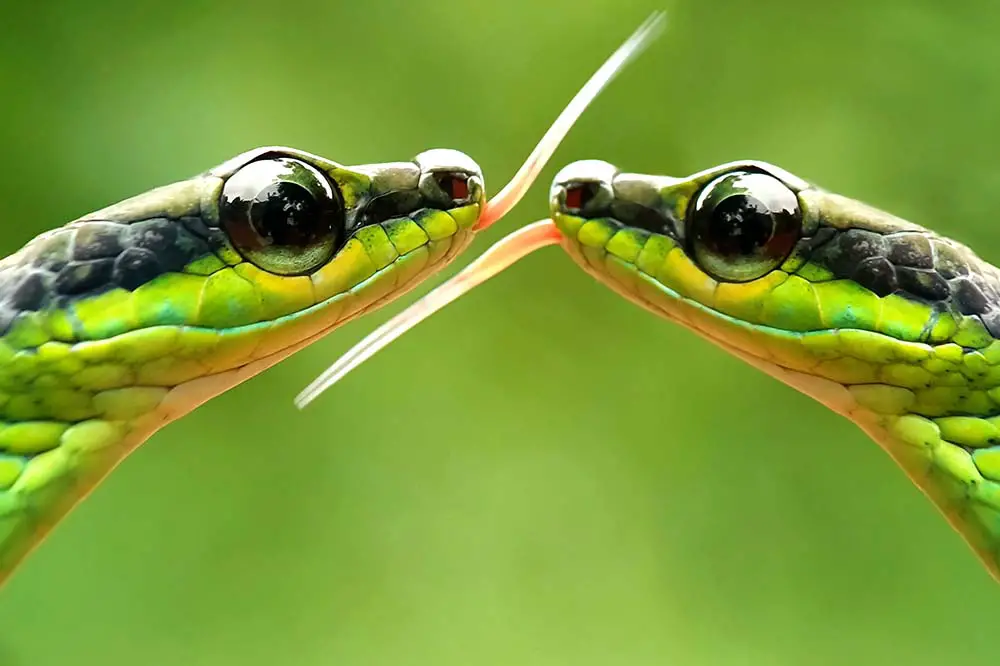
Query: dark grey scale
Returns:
{"type": "Point", "coordinates": [31, 291]}
{"type": "Point", "coordinates": [89, 257]}
{"type": "Point", "coordinates": [991, 320]}
{"type": "Point", "coordinates": [171, 242]}
{"type": "Point", "coordinates": [84, 277]}
{"type": "Point", "coordinates": [912, 250]}
{"type": "Point", "coordinates": [53, 252]}
{"type": "Point", "coordinates": [386, 207]}
{"type": "Point", "coordinates": [848, 249]}
{"type": "Point", "coordinates": [135, 267]}
{"type": "Point", "coordinates": [9, 278]}
{"type": "Point", "coordinates": [210, 239]}
{"type": "Point", "coordinates": [906, 263]}
{"type": "Point", "coordinates": [974, 285]}
{"type": "Point", "coordinates": [968, 297]}
{"type": "Point", "coordinates": [98, 240]}
{"type": "Point", "coordinates": [7, 316]}
{"type": "Point", "coordinates": [860, 255]}
{"type": "Point", "coordinates": [948, 261]}
{"type": "Point", "coordinates": [979, 292]}
{"type": "Point", "coordinates": [987, 283]}
{"type": "Point", "coordinates": [157, 235]}
{"type": "Point", "coordinates": [197, 226]}
{"type": "Point", "coordinates": [23, 289]}
{"type": "Point", "coordinates": [642, 217]}
{"type": "Point", "coordinates": [913, 258]}
{"type": "Point", "coordinates": [877, 274]}
{"type": "Point", "coordinates": [926, 284]}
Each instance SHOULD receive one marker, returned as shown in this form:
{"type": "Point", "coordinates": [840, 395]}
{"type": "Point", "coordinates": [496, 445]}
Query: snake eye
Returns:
{"type": "Point", "coordinates": [282, 215]}
{"type": "Point", "coordinates": [743, 225]}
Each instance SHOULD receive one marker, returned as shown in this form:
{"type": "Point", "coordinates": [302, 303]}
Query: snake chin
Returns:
{"type": "Point", "coordinates": [718, 329]}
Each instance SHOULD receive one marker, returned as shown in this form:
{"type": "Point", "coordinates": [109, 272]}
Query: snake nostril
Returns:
{"type": "Point", "coordinates": [454, 185]}
{"type": "Point", "coordinates": [578, 195]}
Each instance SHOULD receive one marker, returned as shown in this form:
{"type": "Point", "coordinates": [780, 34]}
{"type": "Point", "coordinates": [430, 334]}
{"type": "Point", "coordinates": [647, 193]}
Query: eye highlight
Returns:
{"type": "Point", "coordinates": [282, 215]}
{"type": "Point", "coordinates": [743, 225]}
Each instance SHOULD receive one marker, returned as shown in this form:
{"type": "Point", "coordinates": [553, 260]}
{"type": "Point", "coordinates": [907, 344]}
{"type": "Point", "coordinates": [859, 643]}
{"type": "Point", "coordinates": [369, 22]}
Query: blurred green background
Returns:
{"type": "Point", "coordinates": [542, 474]}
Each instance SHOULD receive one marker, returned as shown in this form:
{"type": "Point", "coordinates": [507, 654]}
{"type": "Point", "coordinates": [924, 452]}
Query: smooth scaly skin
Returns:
{"type": "Point", "coordinates": [887, 323]}
{"type": "Point", "coordinates": [128, 318]}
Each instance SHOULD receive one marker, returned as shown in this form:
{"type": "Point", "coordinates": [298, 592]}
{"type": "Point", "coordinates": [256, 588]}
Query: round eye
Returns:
{"type": "Point", "coordinates": [454, 185]}
{"type": "Point", "coordinates": [743, 225]}
{"type": "Point", "coordinates": [282, 215]}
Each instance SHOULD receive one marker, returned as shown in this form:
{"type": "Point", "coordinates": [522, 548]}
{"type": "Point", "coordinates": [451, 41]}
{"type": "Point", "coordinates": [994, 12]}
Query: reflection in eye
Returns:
{"type": "Point", "coordinates": [282, 215]}
{"type": "Point", "coordinates": [743, 225]}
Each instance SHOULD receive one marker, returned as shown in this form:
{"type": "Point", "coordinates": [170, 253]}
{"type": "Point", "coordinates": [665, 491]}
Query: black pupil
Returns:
{"type": "Point", "coordinates": [738, 226]}
{"type": "Point", "coordinates": [286, 213]}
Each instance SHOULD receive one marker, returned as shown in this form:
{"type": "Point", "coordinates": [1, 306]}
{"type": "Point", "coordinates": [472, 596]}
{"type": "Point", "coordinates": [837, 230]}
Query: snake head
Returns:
{"type": "Point", "coordinates": [735, 222]}
{"type": "Point", "coordinates": [753, 245]}
{"type": "Point", "coordinates": [236, 268]}
{"type": "Point", "coordinates": [270, 233]}
{"type": "Point", "coordinates": [881, 320]}
{"type": "Point", "coordinates": [888, 324]}
{"type": "Point", "coordinates": [238, 264]}
{"type": "Point", "coordinates": [486, 214]}
{"type": "Point", "coordinates": [127, 318]}
{"type": "Point", "coordinates": [292, 213]}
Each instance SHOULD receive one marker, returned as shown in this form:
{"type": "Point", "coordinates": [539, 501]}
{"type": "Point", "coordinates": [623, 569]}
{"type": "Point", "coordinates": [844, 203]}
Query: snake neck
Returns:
{"type": "Point", "coordinates": [922, 379]}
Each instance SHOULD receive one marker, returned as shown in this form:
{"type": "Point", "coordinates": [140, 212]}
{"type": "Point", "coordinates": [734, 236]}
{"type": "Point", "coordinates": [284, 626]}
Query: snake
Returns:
{"type": "Point", "coordinates": [881, 320]}
{"type": "Point", "coordinates": [128, 318]}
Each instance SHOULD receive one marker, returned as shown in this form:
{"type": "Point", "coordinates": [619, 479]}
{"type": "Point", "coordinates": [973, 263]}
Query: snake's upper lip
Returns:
{"type": "Point", "coordinates": [632, 199]}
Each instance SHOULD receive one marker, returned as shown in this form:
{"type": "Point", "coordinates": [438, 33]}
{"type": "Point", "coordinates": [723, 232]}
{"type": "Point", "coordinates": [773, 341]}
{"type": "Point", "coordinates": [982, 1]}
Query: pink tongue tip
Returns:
{"type": "Point", "coordinates": [512, 247]}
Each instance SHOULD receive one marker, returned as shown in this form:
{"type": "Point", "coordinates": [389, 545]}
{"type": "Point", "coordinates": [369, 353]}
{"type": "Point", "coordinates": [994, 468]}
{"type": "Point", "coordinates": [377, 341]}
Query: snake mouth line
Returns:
{"type": "Point", "coordinates": [831, 393]}
{"type": "Point", "coordinates": [183, 398]}
{"type": "Point", "coordinates": [328, 325]}
{"type": "Point", "coordinates": [714, 337]}
{"type": "Point", "coordinates": [711, 325]}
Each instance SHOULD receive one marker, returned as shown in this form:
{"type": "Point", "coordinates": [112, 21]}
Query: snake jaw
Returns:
{"type": "Point", "coordinates": [884, 322]}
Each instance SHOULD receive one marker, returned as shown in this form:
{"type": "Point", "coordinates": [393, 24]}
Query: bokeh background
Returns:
{"type": "Point", "coordinates": [542, 474]}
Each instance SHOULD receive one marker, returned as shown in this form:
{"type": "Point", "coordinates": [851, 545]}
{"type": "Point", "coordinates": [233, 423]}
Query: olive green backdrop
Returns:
{"type": "Point", "coordinates": [542, 474]}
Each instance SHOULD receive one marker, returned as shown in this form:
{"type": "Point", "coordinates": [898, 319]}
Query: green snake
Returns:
{"type": "Point", "coordinates": [885, 322]}
{"type": "Point", "coordinates": [126, 319]}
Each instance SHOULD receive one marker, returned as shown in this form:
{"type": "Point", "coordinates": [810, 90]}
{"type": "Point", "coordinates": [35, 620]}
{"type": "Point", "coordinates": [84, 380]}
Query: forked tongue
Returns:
{"type": "Point", "coordinates": [501, 255]}
{"type": "Point", "coordinates": [512, 247]}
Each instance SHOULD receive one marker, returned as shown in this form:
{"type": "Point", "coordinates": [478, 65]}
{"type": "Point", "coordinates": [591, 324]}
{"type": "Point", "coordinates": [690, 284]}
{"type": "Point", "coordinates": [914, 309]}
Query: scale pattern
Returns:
{"type": "Point", "coordinates": [95, 256]}
{"type": "Point", "coordinates": [906, 320]}
{"type": "Point", "coordinates": [101, 319]}
{"type": "Point", "coordinates": [920, 265]}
